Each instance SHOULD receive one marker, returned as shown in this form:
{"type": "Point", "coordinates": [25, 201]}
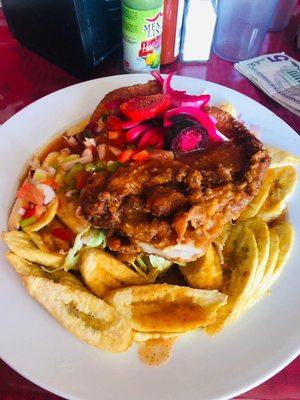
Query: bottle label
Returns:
{"type": "Point", "coordinates": [141, 39]}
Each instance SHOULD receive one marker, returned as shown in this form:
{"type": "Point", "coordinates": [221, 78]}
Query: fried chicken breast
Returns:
{"type": "Point", "coordinates": [175, 208]}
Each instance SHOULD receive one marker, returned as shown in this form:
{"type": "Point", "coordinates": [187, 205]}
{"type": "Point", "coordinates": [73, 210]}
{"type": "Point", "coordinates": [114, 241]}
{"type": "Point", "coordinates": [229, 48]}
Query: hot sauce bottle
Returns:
{"type": "Point", "coordinates": [173, 16]}
{"type": "Point", "coordinates": [142, 28]}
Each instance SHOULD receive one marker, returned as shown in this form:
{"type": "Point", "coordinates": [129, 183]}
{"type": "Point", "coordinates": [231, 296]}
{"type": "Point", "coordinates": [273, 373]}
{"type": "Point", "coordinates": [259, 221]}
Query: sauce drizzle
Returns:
{"type": "Point", "coordinates": [155, 352]}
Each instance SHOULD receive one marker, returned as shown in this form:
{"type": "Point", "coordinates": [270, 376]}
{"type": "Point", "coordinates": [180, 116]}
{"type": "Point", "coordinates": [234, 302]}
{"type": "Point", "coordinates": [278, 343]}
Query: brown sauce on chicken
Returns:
{"type": "Point", "coordinates": [221, 162]}
{"type": "Point", "coordinates": [169, 202]}
{"type": "Point", "coordinates": [179, 204]}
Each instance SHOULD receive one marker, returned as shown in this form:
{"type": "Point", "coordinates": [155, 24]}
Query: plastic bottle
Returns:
{"type": "Point", "coordinates": [173, 16]}
{"type": "Point", "coordinates": [142, 28]}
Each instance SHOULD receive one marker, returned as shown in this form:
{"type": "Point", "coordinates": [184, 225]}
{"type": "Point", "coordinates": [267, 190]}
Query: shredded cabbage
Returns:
{"type": "Point", "coordinates": [160, 263]}
{"type": "Point", "coordinates": [90, 237]}
{"type": "Point", "coordinates": [150, 266]}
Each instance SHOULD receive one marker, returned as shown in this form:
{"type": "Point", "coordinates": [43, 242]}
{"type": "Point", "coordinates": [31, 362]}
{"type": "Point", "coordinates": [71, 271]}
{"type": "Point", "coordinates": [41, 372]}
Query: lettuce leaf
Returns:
{"type": "Point", "coordinates": [159, 263]}
{"type": "Point", "coordinates": [150, 266]}
{"type": "Point", "coordinates": [90, 237]}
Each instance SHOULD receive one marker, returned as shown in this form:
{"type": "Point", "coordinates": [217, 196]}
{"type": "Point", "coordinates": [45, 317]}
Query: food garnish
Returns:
{"type": "Point", "coordinates": [145, 107]}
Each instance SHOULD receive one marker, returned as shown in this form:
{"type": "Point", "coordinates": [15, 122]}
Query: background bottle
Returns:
{"type": "Point", "coordinates": [173, 15]}
{"type": "Point", "coordinates": [142, 27]}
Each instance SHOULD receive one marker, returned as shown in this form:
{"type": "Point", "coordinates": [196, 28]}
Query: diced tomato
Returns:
{"type": "Point", "coordinates": [119, 141]}
{"type": "Point", "coordinates": [29, 192]}
{"type": "Point", "coordinates": [114, 123]}
{"type": "Point", "coordinates": [146, 107]}
{"type": "Point", "coordinates": [30, 212]}
{"type": "Point", "coordinates": [113, 135]}
{"type": "Point", "coordinates": [63, 234]}
{"type": "Point", "coordinates": [39, 210]}
{"type": "Point", "coordinates": [126, 155]}
{"type": "Point", "coordinates": [81, 179]}
{"type": "Point", "coordinates": [51, 182]}
{"type": "Point", "coordinates": [142, 156]}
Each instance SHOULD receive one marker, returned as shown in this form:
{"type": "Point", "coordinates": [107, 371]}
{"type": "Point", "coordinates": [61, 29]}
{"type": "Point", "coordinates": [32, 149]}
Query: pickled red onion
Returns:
{"type": "Point", "coordinates": [134, 133]}
{"type": "Point", "coordinates": [158, 77]}
{"type": "Point", "coordinates": [130, 124]}
{"type": "Point", "coordinates": [152, 137]}
{"type": "Point", "coordinates": [180, 97]}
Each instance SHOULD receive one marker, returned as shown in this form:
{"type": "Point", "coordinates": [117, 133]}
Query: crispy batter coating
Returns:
{"type": "Point", "coordinates": [187, 201]}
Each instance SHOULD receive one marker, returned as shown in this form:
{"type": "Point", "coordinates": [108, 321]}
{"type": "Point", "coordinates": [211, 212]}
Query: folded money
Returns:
{"type": "Point", "coordinates": [278, 75]}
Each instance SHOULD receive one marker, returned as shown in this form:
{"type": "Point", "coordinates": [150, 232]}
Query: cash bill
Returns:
{"type": "Point", "coordinates": [278, 75]}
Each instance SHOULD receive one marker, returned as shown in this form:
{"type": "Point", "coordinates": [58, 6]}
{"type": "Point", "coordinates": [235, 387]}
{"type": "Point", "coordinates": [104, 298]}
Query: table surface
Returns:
{"type": "Point", "coordinates": [26, 77]}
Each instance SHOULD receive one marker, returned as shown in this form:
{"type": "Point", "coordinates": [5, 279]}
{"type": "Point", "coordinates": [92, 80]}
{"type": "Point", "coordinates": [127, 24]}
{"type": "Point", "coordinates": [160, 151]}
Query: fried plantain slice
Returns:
{"type": "Point", "coordinates": [66, 212]}
{"type": "Point", "coordinates": [77, 128]}
{"type": "Point", "coordinates": [204, 273]}
{"type": "Point", "coordinates": [229, 107]}
{"type": "Point", "coordinates": [241, 258]}
{"type": "Point", "coordinates": [262, 237]}
{"type": "Point", "coordinates": [144, 336]}
{"type": "Point", "coordinates": [282, 158]}
{"type": "Point", "coordinates": [254, 206]}
{"type": "Point", "coordinates": [281, 189]}
{"type": "Point", "coordinates": [83, 314]}
{"type": "Point", "coordinates": [14, 217]}
{"type": "Point", "coordinates": [38, 241]}
{"type": "Point", "coordinates": [45, 219]}
{"type": "Point", "coordinates": [270, 266]}
{"type": "Point", "coordinates": [102, 272]}
{"type": "Point", "coordinates": [19, 243]}
{"type": "Point", "coordinates": [219, 242]}
{"type": "Point", "coordinates": [166, 308]}
{"type": "Point", "coordinates": [26, 268]}
{"type": "Point", "coordinates": [285, 232]}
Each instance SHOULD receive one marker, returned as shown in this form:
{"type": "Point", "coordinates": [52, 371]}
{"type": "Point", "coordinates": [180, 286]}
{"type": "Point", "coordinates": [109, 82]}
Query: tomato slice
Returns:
{"type": "Point", "coordinates": [39, 210]}
{"type": "Point", "coordinates": [30, 212]}
{"type": "Point", "coordinates": [114, 123]}
{"type": "Point", "coordinates": [63, 234]}
{"type": "Point", "coordinates": [29, 192]}
{"type": "Point", "coordinates": [126, 155]}
{"type": "Point", "coordinates": [146, 107]}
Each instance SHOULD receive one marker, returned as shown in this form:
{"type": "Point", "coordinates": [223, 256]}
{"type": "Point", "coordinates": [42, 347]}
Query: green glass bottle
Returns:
{"type": "Point", "coordinates": [142, 28]}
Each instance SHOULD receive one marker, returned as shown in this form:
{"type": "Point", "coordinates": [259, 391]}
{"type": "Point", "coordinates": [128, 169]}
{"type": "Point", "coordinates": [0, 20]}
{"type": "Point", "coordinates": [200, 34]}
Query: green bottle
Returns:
{"type": "Point", "coordinates": [142, 28]}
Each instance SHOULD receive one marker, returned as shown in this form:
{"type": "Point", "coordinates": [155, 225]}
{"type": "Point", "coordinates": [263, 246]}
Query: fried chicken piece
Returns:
{"type": "Point", "coordinates": [175, 208]}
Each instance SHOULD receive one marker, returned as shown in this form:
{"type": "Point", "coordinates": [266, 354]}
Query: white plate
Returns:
{"type": "Point", "coordinates": [247, 353]}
